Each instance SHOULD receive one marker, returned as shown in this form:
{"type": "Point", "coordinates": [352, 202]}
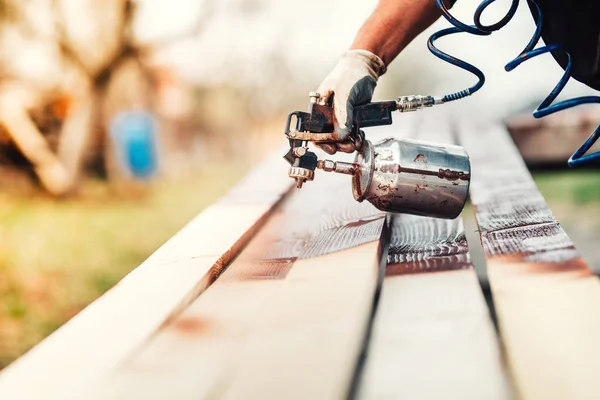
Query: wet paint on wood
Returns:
{"type": "Point", "coordinates": [424, 245]}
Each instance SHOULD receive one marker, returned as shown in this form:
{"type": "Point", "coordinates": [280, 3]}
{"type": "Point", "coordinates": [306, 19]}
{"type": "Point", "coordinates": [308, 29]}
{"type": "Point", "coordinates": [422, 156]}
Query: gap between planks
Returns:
{"type": "Point", "coordinates": [298, 324]}
{"type": "Point", "coordinates": [97, 339]}
{"type": "Point", "coordinates": [432, 337]}
{"type": "Point", "coordinates": [544, 293]}
{"type": "Point", "coordinates": [192, 354]}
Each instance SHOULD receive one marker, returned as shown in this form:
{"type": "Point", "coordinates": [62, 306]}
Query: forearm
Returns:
{"type": "Point", "coordinates": [393, 25]}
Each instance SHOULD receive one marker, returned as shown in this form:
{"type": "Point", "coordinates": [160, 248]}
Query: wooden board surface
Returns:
{"type": "Point", "coordinates": [307, 343]}
{"type": "Point", "coordinates": [546, 297]}
{"type": "Point", "coordinates": [551, 140]}
{"type": "Point", "coordinates": [295, 301]}
{"type": "Point", "coordinates": [432, 337]}
{"type": "Point", "coordinates": [110, 329]}
{"type": "Point", "coordinates": [206, 338]}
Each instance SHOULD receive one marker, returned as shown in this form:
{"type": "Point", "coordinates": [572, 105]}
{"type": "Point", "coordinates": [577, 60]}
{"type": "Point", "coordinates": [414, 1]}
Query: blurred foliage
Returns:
{"type": "Point", "coordinates": [9, 11]}
{"type": "Point", "coordinates": [57, 257]}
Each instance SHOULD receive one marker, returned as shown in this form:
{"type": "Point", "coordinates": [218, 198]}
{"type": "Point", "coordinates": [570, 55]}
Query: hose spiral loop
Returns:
{"type": "Point", "coordinates": [546, 107]}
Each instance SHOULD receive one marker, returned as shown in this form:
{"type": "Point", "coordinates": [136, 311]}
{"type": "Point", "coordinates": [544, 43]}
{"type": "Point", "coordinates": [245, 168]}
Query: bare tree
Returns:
{"type": "Point", "coordinates": [83, 139]}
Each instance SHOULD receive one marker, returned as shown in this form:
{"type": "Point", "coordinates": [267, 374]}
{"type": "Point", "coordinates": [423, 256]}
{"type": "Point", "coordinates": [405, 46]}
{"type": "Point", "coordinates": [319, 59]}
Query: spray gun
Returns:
{"type": "Point", "coordinates": [395, 175]}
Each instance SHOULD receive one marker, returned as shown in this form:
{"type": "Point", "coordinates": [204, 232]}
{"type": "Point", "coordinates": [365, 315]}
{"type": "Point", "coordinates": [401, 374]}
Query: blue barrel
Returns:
{"type": "Point", "coordinates": [134, 136]}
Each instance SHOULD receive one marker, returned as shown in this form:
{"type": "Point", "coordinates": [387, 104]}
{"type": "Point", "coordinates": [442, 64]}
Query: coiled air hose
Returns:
{"type": "Point", "coordinates": [546, 107]}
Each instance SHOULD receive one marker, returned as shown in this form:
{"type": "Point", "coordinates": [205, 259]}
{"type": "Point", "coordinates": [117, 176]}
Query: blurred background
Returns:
{"type": "Point", "coordinates": [120, 120]}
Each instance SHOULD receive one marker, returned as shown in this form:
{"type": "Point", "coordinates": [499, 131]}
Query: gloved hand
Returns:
{"type": "Point", "coordinates": [351, 83]}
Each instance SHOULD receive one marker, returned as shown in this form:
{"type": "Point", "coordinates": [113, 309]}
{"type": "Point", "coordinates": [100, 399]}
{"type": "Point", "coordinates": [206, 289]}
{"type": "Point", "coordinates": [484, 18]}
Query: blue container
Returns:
{"type": "Point", "coordinates": [134, 136]}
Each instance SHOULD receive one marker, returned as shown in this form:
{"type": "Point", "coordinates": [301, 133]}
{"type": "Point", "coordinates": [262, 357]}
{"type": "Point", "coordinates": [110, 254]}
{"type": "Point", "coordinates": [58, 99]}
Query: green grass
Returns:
{"type": "Point", "coordinates": [579, 187]}
{"type": "Point", "coordinates": [56, 256]}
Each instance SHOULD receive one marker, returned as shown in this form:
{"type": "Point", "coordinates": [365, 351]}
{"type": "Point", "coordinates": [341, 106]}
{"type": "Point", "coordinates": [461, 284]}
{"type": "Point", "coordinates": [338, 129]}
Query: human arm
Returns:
{"type": "Point", "coordinates": [393, 25]}
{"type": "Point", "coordinates": [390, 28]}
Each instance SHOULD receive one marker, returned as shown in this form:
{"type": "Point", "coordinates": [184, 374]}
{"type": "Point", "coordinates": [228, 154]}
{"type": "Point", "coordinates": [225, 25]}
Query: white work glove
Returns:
{"type": "Point", "coordinates": [351, 83]}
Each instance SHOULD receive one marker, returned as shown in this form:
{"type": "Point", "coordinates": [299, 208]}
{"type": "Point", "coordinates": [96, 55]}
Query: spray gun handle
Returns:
{"type": "Point", "coordinates": [317, 125]}
{"type": "Point", "coordinates": [374, 114]}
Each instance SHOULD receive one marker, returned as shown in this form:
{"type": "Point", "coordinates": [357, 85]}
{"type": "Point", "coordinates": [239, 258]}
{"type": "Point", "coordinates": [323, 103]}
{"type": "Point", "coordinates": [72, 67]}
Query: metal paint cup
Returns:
{"type": "Point", "coordinates": [413, 177]}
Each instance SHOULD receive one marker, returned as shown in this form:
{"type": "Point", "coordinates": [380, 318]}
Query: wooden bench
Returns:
{"type": "Point", "coordinates": [277, 293]}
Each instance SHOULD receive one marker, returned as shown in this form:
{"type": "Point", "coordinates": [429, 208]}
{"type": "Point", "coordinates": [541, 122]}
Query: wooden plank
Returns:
{"type": "Point", "coordinates": [106, 332]}
{"type": "Point", "coordinates": [307, 343]}
{"type": "Point", "coordinates": [432, 334]}
{"type": "Point", "coordinates": [195, 354]}
{"type": "Point", "coordinates": [551, 140]}
{"type": "Point", "coordinates": [543, 292]}
{"type": "Point", "coordinates": [311, 335]}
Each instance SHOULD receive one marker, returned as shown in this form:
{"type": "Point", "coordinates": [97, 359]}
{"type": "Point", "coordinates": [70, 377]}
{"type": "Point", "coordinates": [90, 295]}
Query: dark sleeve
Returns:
{"type": "Point", "coordinates": [575, 25]}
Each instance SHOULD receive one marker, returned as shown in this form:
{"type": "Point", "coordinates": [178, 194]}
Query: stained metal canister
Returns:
{"type": "Point", "coordinates": [413, 177]}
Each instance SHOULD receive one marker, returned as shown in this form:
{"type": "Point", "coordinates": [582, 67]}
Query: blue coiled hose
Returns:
{"type": "Point", "coordinates": [546, 107]}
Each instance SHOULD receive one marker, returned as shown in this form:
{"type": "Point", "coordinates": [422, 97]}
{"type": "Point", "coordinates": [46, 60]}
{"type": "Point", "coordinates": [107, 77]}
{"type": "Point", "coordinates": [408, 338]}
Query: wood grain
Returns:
{"type": "Point", "coordinates": [190, 354]}
{"type": "Point", "coordinates": [193, 352]}
{"type": "Point", "coordinates": [306, 342]}
{"type": "Point", "coordinates": [104, 334]}
{"type": "Point", "coordinates": [196, 353]}
{"type": "Point", "coordinates": [432, 335]}
{"type": "Point", "coordinates": [544, 293]}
